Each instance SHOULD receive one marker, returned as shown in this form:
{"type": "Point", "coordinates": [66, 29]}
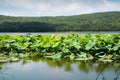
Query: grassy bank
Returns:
{"type": "Point", "coordinates": [105, 47]}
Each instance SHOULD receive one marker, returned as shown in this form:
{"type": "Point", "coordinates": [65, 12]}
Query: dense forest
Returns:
{"type": "Point", "coordinates": [104, 21]}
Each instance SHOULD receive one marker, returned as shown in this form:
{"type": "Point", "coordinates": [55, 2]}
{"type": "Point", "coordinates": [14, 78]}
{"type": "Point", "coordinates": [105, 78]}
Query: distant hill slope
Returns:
{"type": "Point", "coordinates": [104, 21]}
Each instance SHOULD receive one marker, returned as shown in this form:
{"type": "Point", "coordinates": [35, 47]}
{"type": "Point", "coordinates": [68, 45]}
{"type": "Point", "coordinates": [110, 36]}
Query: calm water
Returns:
{"type": "Point", "coordinates": [26, 33]}
{"type": "Point", "coordinates": [47, 69]}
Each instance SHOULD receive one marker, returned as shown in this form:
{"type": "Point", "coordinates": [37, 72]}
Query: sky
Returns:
{"type": "Point", "coordinates": [56, 7]}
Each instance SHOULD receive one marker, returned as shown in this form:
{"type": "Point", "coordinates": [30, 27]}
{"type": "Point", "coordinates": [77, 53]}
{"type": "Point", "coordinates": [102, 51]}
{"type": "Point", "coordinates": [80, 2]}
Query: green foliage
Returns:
{"type": "Point", "coordinates": [74, 46]}
{"type": "Point", "coordinates": [105, 21]}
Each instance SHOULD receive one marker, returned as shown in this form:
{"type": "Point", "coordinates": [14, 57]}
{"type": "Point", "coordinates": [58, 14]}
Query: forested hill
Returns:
{"type": "Point", "coordinates": [104, 21]}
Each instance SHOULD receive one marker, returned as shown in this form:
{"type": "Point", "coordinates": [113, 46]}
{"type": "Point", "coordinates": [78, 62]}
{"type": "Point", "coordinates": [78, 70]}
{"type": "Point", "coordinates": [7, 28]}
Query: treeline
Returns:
{"type": "Point", "coordinates": [105, 21]}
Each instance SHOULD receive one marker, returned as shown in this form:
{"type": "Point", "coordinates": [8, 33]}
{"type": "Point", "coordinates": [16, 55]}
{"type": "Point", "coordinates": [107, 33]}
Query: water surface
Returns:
{"type": "Point", "coordinates": [82, 32]}
{"type": "Point", "coordinates": [47, 69]}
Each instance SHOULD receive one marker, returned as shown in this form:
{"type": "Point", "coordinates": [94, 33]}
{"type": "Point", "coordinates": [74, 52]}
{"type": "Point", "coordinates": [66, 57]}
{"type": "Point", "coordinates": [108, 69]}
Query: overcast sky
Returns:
{"type": "Point", "coordinates": [56, 7]}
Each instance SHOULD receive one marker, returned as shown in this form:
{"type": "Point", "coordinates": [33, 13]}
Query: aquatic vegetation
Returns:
{"type": "Point", "coordinates": [103, 47]}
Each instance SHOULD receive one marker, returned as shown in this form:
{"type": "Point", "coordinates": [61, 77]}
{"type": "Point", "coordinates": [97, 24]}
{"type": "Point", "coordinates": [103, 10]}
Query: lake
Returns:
{"type": "Point", "coordinates": [82, 32]}
{"type": "Point", "coordinates": [65, 69]}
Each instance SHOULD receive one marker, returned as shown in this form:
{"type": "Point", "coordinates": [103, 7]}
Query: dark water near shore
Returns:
{"type": "Point", "coordinates": [47, 69]}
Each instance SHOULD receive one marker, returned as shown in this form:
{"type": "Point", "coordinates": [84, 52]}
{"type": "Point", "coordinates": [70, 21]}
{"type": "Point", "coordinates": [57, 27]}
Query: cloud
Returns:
{"type": "Point", "coordinates": [60, 7]}
{"type": "Point", "coordinates": [6, 13]}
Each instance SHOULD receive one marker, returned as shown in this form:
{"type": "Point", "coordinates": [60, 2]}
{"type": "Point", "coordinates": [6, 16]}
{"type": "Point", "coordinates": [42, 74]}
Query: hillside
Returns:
{"type": "Point", "coordinates": [104, 21]}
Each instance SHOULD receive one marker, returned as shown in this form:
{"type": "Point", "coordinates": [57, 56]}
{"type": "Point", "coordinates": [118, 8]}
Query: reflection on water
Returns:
{"type": "Point", "coordinates": [48, 69]}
